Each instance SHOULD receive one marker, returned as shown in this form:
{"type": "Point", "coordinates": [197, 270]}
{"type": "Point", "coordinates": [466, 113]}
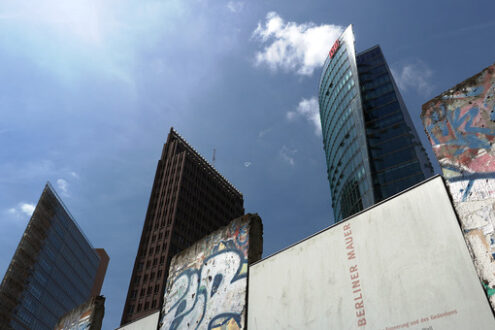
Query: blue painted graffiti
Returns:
{"type": "Point", "coordinates": [471, 91]}
{"type": "Point", "coordinates": [471, 140]}
{"type": "Point", "coordinates": [198, 298]}
{"type": "Point", "coordinates": [471, 178]}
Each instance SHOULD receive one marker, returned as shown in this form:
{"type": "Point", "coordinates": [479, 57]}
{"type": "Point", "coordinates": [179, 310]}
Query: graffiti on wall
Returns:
{"type": "Point", "coordinates": [86, 316]}
{"type": "Point", "coordinates": [207, 283]}
{"type": "Point", "coordinates": [460, 125]}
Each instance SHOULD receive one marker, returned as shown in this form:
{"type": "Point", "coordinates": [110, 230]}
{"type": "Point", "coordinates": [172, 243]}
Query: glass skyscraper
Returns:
{"type": "Point", "coordinates": [54, 269]}
{"type": "Point", "coordinates": [371, 148]}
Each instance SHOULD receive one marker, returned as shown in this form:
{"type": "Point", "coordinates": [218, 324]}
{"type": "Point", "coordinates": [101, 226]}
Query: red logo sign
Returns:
{"type": "Point", "coordinates": [334, 48]}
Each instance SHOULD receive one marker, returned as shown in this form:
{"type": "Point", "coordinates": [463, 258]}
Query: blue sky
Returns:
{"type": "Point", "coordinates": [89, 90]}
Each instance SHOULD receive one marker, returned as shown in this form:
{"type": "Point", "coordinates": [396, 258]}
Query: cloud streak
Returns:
{"type": "Point", "coordinates": [288, 154]}
{"type": "Point", "coordinates": [310, 110]}
{"type": "Point", "coordinates": [63, 185]}
{"type": "Point", "coordinates": [292, 47]}
{"type": "Point", "coordinates": [415, 76]}
{"type": "Point", "coordinates": [235, 6]}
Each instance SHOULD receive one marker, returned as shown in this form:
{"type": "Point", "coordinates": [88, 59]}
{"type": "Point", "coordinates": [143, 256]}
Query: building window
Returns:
{"type": "Point", "coordinates": [149, 289]}
{"type": "Point", "coordinates": [130, 310]}
{"type": "Point", "coordinates": [134, 293]}
{"type": "Point", "coordinates": [139, 307]}
{"type": "Point", "coordinates": [153, 304]}
{"type": "Point", "coordinates": [146, 305]}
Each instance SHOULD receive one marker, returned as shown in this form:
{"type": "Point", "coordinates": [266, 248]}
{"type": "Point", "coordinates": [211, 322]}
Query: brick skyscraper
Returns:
{"type": "Point", "coordinates": [189, 200]}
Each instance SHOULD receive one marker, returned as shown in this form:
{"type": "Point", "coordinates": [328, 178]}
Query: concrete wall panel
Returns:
{"type": "Point", "coordinates": [460, 124]}
{"type": "Point", "coordinates": [207, 283]}
{"type": "Point", "coordinates": [88, 316]}
{"type": "Point", "coordinates": [401, 264]}
{"type": "Point", "coordinates": [149, 322]}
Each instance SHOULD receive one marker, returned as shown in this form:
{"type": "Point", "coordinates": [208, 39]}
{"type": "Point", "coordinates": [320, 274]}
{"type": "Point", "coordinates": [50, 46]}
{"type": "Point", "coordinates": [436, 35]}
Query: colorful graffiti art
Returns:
{"type": "Point", "coordinates": [87, 316]}
{"type": "Point", "coordinates": [460, 124]}
{"type": "Point", "coordinates": [207, 283]}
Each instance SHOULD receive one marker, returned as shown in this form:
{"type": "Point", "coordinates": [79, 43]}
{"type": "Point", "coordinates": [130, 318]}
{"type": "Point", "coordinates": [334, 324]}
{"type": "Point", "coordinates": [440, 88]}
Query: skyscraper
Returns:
{"type": "Point", "coordinates": [189, 200]}
{"type": "Point", "coordinates": [54, 269]}
{"type": "Point", "coordinates": [371, 148]}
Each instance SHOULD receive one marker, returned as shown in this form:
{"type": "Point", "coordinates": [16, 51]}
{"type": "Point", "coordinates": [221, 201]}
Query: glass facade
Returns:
{"type": "Point", "coordinates": [370, 149]}
{"type": "Point", "coordinates": [53, 269]}
{"type": "Point", "coordinates": [397, 158]}
{"type": "Point", "coordinates": [342, 124]}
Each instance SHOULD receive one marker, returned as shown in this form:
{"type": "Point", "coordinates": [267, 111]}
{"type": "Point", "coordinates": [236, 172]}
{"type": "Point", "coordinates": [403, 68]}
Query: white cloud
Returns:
{"type": "Point", "coordinates": [235, 6]}
{"type": "Point", "coordinates": [74, 175]}
{"type": "Point", "coordinates": [309, 109]}
{"type": "Point", "coordinates": [294, 47]}
{"type": "Point", "coordinates": [22, 209]}
{"type": "Point", "coordinates": [288, 154]}
{"type": "Point", "coordinates": [414, 75]}
{"type": "Point", "coordinates": [27, 208]}
{"type": "Point", "coordinates": [247, 164]}
{"type": "Point", "coordinates": [63, 186]}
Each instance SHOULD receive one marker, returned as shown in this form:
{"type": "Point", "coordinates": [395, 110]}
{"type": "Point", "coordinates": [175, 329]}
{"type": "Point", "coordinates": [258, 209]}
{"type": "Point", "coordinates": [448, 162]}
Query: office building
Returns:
{"type": "Point", "coordinates": [54, 269]}
{"type": "Point", "coordinates": [371, 148]}
{"type": "Point", "coordinates": [189, 200]}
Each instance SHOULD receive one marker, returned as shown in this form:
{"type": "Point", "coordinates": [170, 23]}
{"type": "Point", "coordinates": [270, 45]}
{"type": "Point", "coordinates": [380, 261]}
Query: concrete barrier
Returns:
{"type": "Point", "coordinates": [400, 264]}
{"type": "Point", "coordinates": [207, 283]}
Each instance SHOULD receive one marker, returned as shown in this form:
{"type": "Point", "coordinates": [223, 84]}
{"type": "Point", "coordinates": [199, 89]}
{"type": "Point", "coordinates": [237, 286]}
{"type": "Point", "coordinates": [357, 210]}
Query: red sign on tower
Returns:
{"type": "Point", "coordinates": [334, 48]}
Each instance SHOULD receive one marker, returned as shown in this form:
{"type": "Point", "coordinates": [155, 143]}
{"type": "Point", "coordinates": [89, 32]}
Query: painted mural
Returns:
{"type": "Point", "coordinates": [460, 124]}
{"type": "Point", "coordinates": [88, 316]}
{"type": "Point", "coordinates": [207, 283]}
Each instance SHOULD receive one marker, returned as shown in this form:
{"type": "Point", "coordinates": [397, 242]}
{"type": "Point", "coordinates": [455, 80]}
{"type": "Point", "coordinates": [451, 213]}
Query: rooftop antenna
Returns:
{"type": "Point", "coordinates": [213, 160]}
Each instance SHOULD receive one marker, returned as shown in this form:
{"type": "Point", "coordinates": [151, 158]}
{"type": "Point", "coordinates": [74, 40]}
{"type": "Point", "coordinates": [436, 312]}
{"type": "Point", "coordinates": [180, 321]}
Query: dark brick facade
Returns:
{"type": "Point", "coordinates": [189, 200]}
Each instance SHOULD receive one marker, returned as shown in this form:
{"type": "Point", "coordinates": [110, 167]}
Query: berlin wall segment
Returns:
{"type": "Point", "coordinates": [207, 285]}
{"type": "Point", "coordinates": [460, 124]}
{"type": "Point", "coordinates": [392, 266]}
{"type": "Point", "coordinates": [88, 316]}
{"type": "Point", "coordinates": [354, 276]}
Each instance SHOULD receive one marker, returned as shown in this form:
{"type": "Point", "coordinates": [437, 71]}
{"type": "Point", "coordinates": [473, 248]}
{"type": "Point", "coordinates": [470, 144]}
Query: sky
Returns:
{"type": "Point", "coordinates": [90, 89]}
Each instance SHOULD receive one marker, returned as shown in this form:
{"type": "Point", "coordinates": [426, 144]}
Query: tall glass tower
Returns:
{"type": "Point", "coordinates": [54, 269]}
{"type": "Point", "coordinates": [371, 147]}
